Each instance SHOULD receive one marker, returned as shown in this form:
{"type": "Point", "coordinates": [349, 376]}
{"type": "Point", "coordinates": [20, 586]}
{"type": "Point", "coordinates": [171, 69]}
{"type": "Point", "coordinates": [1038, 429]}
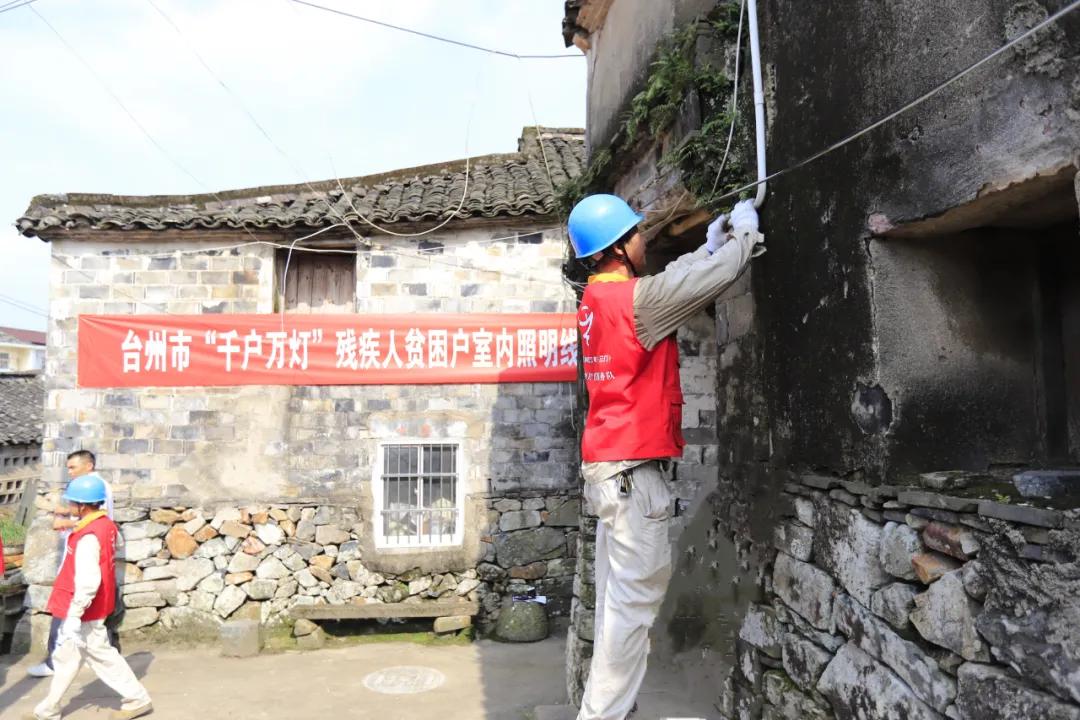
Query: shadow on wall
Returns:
{"type": "Point", "coordinates": [696, 631]}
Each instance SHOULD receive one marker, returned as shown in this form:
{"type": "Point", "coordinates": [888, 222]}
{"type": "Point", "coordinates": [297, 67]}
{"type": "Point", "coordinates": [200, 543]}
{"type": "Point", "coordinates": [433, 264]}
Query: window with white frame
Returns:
{"type": "Point", "coordinates": [5, 361]}
{"type": "Point", "coordinates": [419, 488]}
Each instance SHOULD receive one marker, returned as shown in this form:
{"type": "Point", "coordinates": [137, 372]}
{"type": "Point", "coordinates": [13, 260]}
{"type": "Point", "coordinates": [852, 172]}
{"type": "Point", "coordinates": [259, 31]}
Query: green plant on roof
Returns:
{"type": "Point", "coordinates": [677, 73]}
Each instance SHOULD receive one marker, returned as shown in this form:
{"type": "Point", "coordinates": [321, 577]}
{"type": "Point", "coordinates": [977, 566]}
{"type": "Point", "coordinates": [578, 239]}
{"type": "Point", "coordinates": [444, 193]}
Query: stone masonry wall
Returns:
{"type": "Point", "coordinates": [185, 570]}
{"type": "Point", "coordinates": [951, 599]}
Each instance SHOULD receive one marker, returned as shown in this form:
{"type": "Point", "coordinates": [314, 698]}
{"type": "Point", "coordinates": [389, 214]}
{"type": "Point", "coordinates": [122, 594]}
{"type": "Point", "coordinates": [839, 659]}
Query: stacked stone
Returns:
{"type": "Point", "coordinates": [910, 603]}
{"type": "Point", "coordinates": [530, 541]}
{"type": "Point", "coordinates": [189, 569]}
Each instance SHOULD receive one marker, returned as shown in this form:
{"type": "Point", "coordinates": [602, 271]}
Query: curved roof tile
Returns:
{"type": "Point", "coordinates": [510, 184]}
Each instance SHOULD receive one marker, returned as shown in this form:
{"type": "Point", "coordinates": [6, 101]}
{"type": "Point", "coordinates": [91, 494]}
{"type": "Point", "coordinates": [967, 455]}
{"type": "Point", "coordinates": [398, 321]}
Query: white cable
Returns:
{"type": "Point", "coordinates": [440, 226]}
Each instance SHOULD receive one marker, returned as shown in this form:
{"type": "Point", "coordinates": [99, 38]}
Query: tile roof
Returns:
{"type": "Point", "coordinates": [22, 404]}
{"type": "Point", "coordinates": [510, 184]}
{"type": "Point", "coordinates": [32, 337]}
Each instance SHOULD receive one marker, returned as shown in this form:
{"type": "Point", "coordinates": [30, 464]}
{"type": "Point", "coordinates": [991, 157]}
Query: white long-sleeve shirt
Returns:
{"type": "Point", "coordinates": [666, 300]}
{"type": "Point", "coordinates": [87, 574]}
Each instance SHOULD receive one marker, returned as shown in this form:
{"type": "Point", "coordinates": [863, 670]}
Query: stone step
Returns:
{"type": "Point", "coordinates": [351, 611]}
{"type": "Point", "coordinates": [555, 712]}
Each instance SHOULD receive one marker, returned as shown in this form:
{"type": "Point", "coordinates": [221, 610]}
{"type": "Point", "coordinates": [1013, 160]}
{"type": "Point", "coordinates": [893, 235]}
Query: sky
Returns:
{"type": "Point", "coordinates": [337, 97]}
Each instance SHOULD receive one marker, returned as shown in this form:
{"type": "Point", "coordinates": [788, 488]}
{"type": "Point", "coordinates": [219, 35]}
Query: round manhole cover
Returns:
{"type": "Point", "coordinates": [404, 680]}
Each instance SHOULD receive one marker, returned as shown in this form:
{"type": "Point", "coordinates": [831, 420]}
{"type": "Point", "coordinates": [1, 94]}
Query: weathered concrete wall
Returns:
{"type": "Point", "coordinates": [894, 602]}
{"type": "Point", "coordinates": [956, 319]}
{"type": "Point", "coordinates": [831, 73]}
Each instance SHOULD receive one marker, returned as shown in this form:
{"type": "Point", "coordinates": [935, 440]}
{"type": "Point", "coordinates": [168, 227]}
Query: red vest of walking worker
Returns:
{"type": "Point", "coordinates": [627, 322]}
{"type": "Point", "coordinates": [100, 526]}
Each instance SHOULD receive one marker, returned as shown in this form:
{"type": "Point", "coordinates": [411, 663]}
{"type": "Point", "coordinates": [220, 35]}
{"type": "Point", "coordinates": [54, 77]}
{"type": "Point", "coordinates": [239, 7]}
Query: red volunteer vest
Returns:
{"type": "Point", "coordinates": [64, 589]}
{"type": "Point", "coordinates": [635, 400]}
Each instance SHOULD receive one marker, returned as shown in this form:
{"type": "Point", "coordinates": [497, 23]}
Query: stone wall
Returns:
{"type": "Point", "coordinates": [185, 569]}
{"type": "Point", "coordinates": [951, 599]}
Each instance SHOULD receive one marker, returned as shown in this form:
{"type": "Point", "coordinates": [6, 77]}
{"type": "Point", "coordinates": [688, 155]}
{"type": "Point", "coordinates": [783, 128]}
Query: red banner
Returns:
{"type": "Point", "coordinates": [209, 350]}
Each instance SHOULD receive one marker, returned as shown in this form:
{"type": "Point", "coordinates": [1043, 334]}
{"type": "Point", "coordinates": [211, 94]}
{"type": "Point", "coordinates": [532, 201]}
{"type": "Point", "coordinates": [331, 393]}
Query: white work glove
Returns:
{"type": "Point", "coordinates": [69, 630]}
{"type": "Point", "coordinates": [716, 234]}
{"type": "Point", "coordinates": [744, 217]}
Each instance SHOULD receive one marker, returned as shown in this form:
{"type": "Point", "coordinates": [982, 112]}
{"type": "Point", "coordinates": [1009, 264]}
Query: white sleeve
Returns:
{"type": "Point", "coordinates": [87, 574]}
{"type": "Point", "coordinates": [108, 500]}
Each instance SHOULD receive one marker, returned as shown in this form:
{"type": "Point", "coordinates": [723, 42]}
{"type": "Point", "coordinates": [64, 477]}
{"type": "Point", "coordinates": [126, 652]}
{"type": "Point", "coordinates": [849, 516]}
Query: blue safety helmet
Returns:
{"type": "Point", "coordinates": [598, 221]}
{"type": "Point", "coordinates": [87, 489]}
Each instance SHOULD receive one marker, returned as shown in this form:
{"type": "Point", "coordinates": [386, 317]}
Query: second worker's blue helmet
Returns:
{"type": "Point", "coordinates": [598, 221]}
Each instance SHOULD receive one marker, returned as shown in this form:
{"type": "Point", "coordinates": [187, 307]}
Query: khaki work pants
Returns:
{"type": "Point", "coordinates": [633, 567]}
{"type": "Point", "coordinates": [103, 659]}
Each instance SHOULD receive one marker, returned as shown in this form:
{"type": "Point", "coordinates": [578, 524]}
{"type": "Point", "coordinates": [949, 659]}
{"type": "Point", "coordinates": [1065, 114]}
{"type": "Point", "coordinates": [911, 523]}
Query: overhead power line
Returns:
{"type": "Point", "coordinates": [15, 5]}
{"type": "Point", "coordinates": [429, 36]}
{"type": "Point", "coordinates": [22, 306]}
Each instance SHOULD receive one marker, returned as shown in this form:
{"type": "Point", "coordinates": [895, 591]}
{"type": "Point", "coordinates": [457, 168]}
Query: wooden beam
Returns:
{"type": "Point", "coordinates": [688, 223]}
{"type": "Point", "coordinates": [350, 611]}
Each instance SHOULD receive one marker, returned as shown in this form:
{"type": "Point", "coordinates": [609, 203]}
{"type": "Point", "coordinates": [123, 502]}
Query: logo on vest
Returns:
{"type": "Point", "coordinates": [585, 321]}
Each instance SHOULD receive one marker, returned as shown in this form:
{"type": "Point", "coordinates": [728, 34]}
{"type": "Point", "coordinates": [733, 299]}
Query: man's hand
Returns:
{"type": "Point", "coordinates": [744, 217]}
{"type": "Point", "coordinates": [69, 630]}
{"type": "Point", "coordinates": [64, 522]}
{"type": "Point", "coordinates": [716, 234]}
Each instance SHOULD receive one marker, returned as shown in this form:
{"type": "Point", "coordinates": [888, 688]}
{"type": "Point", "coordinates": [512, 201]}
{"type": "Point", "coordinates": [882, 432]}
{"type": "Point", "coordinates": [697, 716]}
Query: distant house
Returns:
{"type": "Point", "coordinates": [22, 400]}
{"type": "Point", "coordinates": [21, 350]}
{"type": "Point", "coordinates": [279, 382]}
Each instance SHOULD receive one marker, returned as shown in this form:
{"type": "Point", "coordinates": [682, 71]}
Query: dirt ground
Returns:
{"type": "Point", "coordinates": [482, 680]}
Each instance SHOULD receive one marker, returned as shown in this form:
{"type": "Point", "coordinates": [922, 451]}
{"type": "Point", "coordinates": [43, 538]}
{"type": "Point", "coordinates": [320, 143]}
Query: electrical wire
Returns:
{"type": "Point", "coordinates": [734, 96]}
{"type": "Point", "coordinates": [18, 304]}
{"type": "Point", "coordinates": [254, 121]}
{"type": "Point", "coordinates": [13, 6]}
{"type": "Point", "coordinates": [131, 116]}
{"type": "Point", "coordinates": [440, 226]}
{"type": "Point", "coordinates": [429, 36]}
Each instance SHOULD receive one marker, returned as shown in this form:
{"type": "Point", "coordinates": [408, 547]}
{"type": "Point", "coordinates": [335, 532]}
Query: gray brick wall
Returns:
{"type": "Point", "coordinates": [281, 442]}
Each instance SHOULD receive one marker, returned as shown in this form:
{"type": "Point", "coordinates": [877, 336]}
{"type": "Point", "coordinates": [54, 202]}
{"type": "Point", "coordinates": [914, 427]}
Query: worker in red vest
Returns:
{"type": "Point", "coordinates": [83, 595]}
{"type": "Point", "coordinates": [633, 429]}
